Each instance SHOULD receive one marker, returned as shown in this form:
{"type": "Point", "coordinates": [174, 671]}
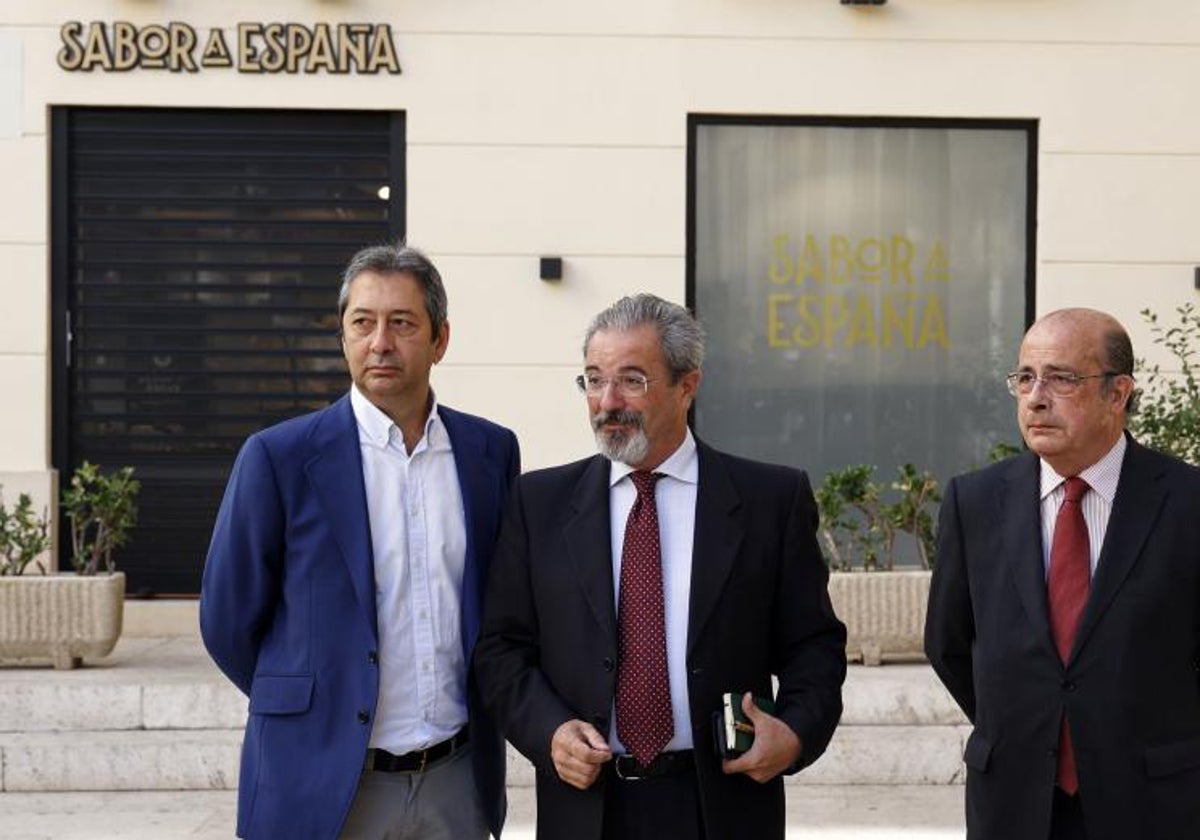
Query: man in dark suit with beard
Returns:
{"type": "Point", "coordinates": [630, 590]}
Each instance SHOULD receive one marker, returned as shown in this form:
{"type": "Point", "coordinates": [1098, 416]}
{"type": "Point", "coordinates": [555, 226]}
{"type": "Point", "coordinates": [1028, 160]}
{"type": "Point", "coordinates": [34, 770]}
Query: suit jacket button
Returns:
{"type": "Point", "coordinates": [373, 658]}
{"type": "Point", "coordinates": [609, 664]}
{"type": "Point", "coordinates": [363, 717]}
{"type": "Point", "coordinates": [1068, 685]}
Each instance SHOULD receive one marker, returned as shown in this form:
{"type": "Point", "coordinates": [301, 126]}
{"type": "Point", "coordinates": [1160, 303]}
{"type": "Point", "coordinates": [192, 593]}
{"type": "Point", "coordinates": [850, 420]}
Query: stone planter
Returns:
{"type": "Point", "coordinates": [61, 617]}
{"type": "Point", "coordinates": [884, 613]}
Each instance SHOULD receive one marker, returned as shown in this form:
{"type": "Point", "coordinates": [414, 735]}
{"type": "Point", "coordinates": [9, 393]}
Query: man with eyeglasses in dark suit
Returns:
{"type": "Point", "coordinates": [1064, 615]}
{"type": "Point", "coordinates": [631, 590]}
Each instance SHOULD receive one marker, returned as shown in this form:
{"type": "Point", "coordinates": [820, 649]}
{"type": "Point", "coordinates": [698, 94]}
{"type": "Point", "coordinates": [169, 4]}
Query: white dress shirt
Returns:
{"type": "Point", "coordinates": [1101, 478]}
{"type": "Point", "coordinates": [419, 542]}
{"type": "Point", "coordinates": [675, 498]}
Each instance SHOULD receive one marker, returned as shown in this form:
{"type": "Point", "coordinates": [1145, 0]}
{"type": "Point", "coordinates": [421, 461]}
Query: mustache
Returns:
{"type": "Point", "coordinates": [623, 417]}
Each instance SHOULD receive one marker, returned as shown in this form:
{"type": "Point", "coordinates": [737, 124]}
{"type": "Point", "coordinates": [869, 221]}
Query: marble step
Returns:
{"type": "Point", "coordinates": [207, 759]}
{"type": "Point", "coordinates": [157, 715]}
{"type": "Point", "coordinates": [187, 692]}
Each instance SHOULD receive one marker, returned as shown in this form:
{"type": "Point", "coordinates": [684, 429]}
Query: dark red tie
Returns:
{"type": "Point", "coordinates": [1070, 582]}
{"type": "Point", "coordinates": [644, 722]}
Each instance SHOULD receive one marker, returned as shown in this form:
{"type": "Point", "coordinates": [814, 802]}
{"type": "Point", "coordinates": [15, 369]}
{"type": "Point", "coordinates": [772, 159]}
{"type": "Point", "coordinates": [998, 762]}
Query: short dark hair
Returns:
{"type": "Point", "coordinates": [398, 259]}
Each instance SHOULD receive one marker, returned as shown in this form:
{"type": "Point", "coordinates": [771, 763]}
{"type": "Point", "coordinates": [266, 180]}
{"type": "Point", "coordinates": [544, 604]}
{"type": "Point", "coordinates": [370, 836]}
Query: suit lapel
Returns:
{"type": "Point", "coordinates": [1135, 509]}
{"type": "Point", "coordinates": [336, 476]}
{"type": "Point", "coordinates": [1020, 509]}
{"type": "Point", "coordinates": [718, 534]}
{"type": "Point", "coordinates": [476, 481]}
{"type": "Point", "coordinates": [589, 543]}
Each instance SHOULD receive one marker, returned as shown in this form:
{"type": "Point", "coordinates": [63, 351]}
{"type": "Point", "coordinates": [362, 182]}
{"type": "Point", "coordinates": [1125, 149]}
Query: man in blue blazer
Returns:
{"type": "Point", "coordinates": [343, 587]}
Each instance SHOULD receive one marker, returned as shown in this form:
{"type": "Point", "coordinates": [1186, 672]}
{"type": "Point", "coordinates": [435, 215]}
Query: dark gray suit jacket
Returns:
{"type": "Point", "coordinates": [1130, 689]}
{"type": "Point", "coordinates": [758, 607]}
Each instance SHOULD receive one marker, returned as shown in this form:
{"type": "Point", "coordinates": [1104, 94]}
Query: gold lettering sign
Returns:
{"type": "Point", "coordinates": [884, 292]}
{"type": "Point", "coordinates": [363, 48]}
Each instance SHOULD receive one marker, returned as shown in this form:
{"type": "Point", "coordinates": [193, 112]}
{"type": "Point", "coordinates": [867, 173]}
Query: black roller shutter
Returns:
{"type": "Point", "coordinates": [196, 260]}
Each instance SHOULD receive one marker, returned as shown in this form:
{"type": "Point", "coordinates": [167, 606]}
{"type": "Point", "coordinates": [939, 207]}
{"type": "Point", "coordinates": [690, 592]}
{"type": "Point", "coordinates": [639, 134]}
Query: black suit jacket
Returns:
{"type": "Point", "coordinates": [1130, 688]}
{"type": "Point", "coordinates": [758, 606]}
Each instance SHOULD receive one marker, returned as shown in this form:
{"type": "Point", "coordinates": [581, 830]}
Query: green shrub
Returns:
{"type": "Point", "coordinates": [23, 536]}
{"type": "Point", "coordinates": [102, 512]}
{"type": "Point", "coordinates": [859, 525]}
{"type": "Point", "coordinates": [1168, 414]}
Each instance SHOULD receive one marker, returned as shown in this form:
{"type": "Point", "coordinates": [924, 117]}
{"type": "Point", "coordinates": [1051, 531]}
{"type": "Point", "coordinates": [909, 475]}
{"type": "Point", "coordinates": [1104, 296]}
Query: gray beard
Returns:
{"type": "Point", "coordinates": [626, 447]}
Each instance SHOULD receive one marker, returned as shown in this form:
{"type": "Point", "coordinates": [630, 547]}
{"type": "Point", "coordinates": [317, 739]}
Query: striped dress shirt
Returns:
{"type": "Point", "coordinates": [1102, 478]}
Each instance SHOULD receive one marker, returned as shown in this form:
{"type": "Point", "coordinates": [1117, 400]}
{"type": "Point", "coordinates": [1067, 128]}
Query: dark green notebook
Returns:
{"type": "Point", "coordinates": [734, 731]}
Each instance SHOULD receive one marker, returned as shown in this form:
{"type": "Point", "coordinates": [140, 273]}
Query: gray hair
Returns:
{"type": "Point", "coordinates": [398, 259]}
{"type": "Point", "coordinates": [681, 336]}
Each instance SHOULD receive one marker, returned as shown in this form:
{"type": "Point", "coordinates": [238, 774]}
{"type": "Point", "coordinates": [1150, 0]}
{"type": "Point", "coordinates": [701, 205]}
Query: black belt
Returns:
{"type": "Point", "coordinates": [417, 761]}
{"type": "Point", "coordinates": [627, 768]}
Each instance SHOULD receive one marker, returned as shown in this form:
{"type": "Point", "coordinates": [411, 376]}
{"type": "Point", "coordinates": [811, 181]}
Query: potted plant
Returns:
{"type": "Point", "coordinates": [24, 537]}
{"type": "Point", "coordinates": [65, 617]}
{"type": "Point", "coordinates": [883, 607]}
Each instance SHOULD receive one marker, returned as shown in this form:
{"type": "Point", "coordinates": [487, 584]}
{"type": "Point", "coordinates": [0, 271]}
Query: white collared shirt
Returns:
{"type": "Point", "coordinates": [419, 542]}
{"type": "Point", "coordinates": [675, 498]}
{"type": "Point", "coordinates": [1101, 478]}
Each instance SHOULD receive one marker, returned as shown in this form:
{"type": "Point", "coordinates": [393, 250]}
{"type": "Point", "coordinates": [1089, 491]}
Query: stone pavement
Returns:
{"type": "Point", "coordinates": [144, 744]}
{"type": "Point", "coordinates": [815, 812]}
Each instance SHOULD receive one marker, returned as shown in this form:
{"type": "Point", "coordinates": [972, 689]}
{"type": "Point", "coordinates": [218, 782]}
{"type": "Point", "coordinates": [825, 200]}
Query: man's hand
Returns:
{"type": "Point", "coordinates": [776, 747]}
{"type": "Point", "coordinates": [578, 751]}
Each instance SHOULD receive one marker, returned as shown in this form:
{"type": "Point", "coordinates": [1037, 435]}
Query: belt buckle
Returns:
{"type": "Point", "coordinates": [623, 777]}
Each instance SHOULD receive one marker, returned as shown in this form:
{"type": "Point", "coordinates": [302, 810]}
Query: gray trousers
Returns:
{"type": "Point", "coordinates": [440, 804]}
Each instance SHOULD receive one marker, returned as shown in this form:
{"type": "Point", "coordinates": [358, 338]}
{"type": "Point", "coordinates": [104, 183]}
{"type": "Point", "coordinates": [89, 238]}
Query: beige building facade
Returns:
{"type": "Point", "coordinates": [562, 129]}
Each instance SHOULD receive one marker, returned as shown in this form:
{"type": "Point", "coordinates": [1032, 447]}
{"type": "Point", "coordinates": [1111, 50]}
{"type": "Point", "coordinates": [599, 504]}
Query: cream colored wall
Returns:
{"type": "Point", "coordinates": [560, 128]}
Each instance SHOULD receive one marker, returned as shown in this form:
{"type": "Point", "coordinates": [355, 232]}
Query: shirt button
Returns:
{"type": "Point", "coordinates": [363, 717]}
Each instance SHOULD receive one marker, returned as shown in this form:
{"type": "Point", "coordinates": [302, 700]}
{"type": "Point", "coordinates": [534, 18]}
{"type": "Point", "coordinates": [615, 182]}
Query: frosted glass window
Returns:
{"type": "Point", "coordinates": [864, 289]}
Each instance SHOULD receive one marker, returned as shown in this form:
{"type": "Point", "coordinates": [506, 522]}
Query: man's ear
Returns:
{"type": "Point", "coordinates": [1121, 387]}
{"type": "Point", "coordinates": [441, 342]}
{"type": "Point", "coordinates": [690, 383]}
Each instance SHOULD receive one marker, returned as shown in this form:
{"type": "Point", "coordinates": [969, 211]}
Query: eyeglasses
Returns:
{"type": "Point", "coordinates": [628, 385]}
{"type": "Point", "coordinates": [1059, 383]}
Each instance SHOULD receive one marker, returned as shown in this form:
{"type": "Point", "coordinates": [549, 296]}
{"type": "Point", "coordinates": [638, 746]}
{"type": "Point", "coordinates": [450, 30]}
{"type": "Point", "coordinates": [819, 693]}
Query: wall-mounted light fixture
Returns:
{"type": "Point", "coordinates": [551, 268]}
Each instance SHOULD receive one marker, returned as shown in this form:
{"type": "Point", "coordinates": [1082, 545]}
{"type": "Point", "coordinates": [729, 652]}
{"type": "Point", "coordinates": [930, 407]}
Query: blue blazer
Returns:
{"type": "Point", "coordinates": [287, 611]}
